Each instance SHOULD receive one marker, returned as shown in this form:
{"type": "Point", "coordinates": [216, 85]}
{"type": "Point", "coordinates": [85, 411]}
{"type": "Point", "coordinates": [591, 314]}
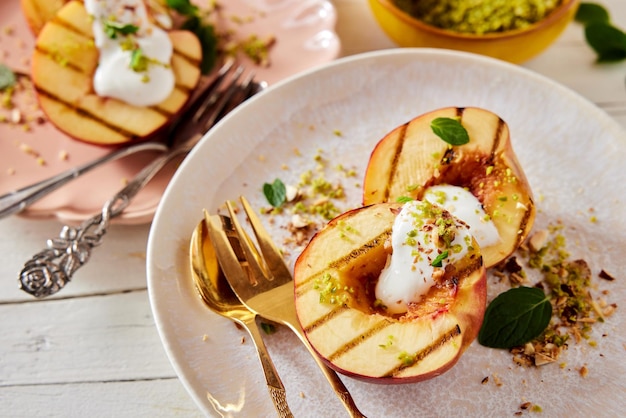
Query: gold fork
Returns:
{"type": "Point", "coordinates": [272, 295]}
{"type": "Point", "coordinates": [219, 297]}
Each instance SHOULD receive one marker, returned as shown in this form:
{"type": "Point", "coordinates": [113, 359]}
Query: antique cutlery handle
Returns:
{"type": "Point", "coordinates": [18, 200]}
{"type": "Point", "coordinates": [50, 270]}
{"type": "Point", "coordinates": [274, 384]}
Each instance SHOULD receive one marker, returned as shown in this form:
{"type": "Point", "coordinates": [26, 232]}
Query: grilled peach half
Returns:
{"type": "Point", "coordinates": [411, 158]}
{"type": "Point", "coordinates": [335, 277]}
{"type": "Point", "coordinates": [63, 65]}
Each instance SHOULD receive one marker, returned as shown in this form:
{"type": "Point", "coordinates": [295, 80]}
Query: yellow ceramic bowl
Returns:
{"type": "Point", "coordinates": [514, 46]}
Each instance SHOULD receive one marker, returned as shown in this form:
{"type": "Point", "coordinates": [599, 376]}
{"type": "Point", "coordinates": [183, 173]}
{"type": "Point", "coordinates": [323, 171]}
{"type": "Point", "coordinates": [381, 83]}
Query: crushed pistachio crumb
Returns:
{"type": "Point", "coordinates": [568, 284]}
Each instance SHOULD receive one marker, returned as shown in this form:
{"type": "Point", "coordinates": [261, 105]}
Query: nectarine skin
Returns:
{"type": "Point", "coordinates": [334, 277]}
{"type": "Point", "coordinates": [411, 158]}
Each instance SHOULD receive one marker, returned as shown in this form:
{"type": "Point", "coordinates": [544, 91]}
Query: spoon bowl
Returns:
{"type": "Point", "coordinates": [210, 282]}
{"type": "Point", "coordinates": [216, 293]}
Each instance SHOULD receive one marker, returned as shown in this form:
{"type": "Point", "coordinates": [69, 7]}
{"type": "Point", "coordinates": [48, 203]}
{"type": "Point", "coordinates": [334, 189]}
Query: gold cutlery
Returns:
{"type": "Point", "coordinates": [272, 295]}
{"type": "Point", "coordinates": [219, 297]}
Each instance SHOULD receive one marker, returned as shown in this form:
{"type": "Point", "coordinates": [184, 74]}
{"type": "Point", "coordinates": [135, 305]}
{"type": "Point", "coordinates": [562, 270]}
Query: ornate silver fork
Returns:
{"type": "Point", "coordinates": [50, 270]}
{"type": "Point", "coordinates": [272, 295]}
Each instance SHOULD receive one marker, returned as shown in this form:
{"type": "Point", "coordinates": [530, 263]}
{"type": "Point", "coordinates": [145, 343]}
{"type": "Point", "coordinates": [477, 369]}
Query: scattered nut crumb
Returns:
{"type": "Point", "coordinates": [538, 240]}
{"type": "Point", "coordinates": [63, 155]}
{"type": "Point", "coordinates": [16, 116]}
{"type": "Point", "coordinates": [606, 276]}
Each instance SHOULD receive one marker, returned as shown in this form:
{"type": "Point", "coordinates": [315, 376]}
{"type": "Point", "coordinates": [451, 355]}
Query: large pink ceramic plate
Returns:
{"type": "Point", "coordinates": [573, 155]}
{"type": "Point", "coordinates": [305, 37]}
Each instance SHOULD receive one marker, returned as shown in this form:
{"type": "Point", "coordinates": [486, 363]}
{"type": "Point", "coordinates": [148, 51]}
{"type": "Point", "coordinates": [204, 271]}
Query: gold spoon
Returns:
{"type": "Point", "coordinates": [219, 297]}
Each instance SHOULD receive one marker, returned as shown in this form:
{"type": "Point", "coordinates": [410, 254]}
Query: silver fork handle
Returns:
{"type": "Point", "coordinates": [18, 200]}
{"type": "Point", "coordinates": [50, 270]}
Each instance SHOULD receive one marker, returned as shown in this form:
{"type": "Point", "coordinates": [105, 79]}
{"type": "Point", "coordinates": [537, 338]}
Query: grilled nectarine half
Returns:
{"type": "Point", "coordinates": [63, 66]}
{"type": "Point", "coordinates": [412, 158]}
{"type": "Point", "coordinates": [338, 280]}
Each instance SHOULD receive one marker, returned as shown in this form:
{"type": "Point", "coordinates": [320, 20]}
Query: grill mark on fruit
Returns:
{"type": "Point", "coordinates": [363, 249]}
{"type": "Point", "coordinates": [86, 115]}
{"type": "Point", "coordinates": [325, 318]}
{"type": "Point", "coordinates": [69, 27]}
{"type": "Point", "coordinates": [194, 62]}
{"type": "Point", "coordinates": [394, 162]}
{"type": "Point", "coordinates": [420, 355]}
{"type": "Point", "coordinates": [56, 57]}
{"type": "Point", "coordinates": [343, 261]}
{"type": "Point", "coordinates": [496, 139]}
{"type": "Point", "coordinates": [524, 222]}
{"type": "Point", "coordinates": [359, 339]}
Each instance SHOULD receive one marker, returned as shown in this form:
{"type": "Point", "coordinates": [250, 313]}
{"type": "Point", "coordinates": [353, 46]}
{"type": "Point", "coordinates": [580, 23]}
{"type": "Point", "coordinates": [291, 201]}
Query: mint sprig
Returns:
{"type": "Point", "coordinates": [112, 29]}
{"type": "Point", "coordinates": [608, 41]}
{"type": "Point", "coordinates": [203, 31]}
{"type": "Point", "coordinates": [7, 77]}
{"type": "Point", "coordinates": [275, 193]}
{"type": "Point", "coordinates": [591, 13]}
{"type": "Point", "coordinates": [450, 130]}
{"type": "Point", "coordinates": [515, 317]}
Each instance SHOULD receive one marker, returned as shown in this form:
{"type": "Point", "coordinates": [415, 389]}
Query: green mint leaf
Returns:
{"type": "Point", "coordinates": [607, 41]}
{"type": "Point", "coordinates": [7, 77]}
{"type": "Point", "coordinates": [184, 7]}
{"type": "Point", "coordinates": [450, 130]}
{"type": "Point", "coordinates": [269, 329]}
{"type": "Point", "coordinates": [438, 261]}
{"type": "Point", "coordinates": [515, 317]}
{"type": "Point", "coordinates": [404, 199]}
{"type": "Point", "coordinates": [113, 28]}
{"type": "Point", "coordinates": [208, 41]}
{"type": "Point", "coordinates": [275, 192]}
{"type": "Point", "coordinates": [590, 13]}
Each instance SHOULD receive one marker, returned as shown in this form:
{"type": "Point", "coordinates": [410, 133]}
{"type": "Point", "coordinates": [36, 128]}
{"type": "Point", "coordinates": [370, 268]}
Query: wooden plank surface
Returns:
{"type": "Point", "coordinates": [94, 350]}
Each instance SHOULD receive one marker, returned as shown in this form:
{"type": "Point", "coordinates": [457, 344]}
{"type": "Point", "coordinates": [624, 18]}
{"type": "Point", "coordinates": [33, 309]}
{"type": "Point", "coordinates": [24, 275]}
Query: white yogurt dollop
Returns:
{"type": "Point", "coordinates": [408, 275]}
{"type": "Point", "coordinates": [144, 85]}
{"type": "Point", "coordinates": [465, 206]}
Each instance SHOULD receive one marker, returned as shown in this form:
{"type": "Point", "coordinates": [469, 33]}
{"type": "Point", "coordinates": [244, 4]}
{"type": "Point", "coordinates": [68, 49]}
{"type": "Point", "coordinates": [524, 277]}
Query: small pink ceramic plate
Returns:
{"type": "Point", "coordinates": [305, 37]}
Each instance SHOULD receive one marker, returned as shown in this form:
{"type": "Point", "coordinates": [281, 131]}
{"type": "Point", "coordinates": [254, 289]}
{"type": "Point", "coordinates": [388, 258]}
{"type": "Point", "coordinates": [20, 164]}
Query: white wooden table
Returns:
{"type": "Point", "coordinates": [94, 350]}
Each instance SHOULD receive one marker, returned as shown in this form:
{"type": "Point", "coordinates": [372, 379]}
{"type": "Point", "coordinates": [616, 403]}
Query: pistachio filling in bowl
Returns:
{"type": "Point", "coordinates": [511, 30]}
{"type": "Point", "coordinates": [479, 16]}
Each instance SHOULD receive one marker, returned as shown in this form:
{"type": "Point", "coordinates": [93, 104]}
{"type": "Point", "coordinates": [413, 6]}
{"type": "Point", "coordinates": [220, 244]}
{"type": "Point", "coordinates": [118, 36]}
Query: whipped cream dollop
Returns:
{"type": "Point", "coordinates": [424, 238]}
{"type": "Point", "coordinates": [464, 205]}
{"type": "Point", "coordinates": [135, 55]}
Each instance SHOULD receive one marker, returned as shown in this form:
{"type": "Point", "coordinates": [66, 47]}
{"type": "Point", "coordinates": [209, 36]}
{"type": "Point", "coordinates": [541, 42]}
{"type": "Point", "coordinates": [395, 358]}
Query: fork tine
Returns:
{"type": "Point", "coordinates": [208, 95]}
{"type": "Point", "coordinates": [225, 254]}
{"type": "Point", "coordinates": [219, 100]}
{"type": "Point", "coordinates": [271, 254]}
{"type": "Point", "coordinates": [251, 254]}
